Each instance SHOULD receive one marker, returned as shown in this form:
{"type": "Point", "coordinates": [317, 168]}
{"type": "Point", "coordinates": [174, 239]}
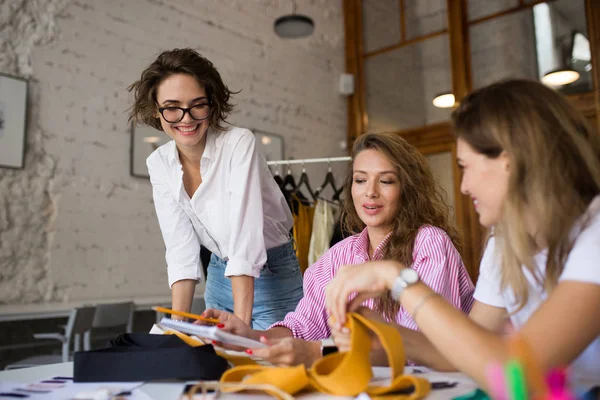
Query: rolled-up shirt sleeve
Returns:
{"type": "Point", "coordinates": [181, 242]}
{"type": "Point", "coordinates": [309, 320]}
{"type": "Point", "coordinates": [439, 266]}
{"type": "Point", "coordinates": [247, 253]}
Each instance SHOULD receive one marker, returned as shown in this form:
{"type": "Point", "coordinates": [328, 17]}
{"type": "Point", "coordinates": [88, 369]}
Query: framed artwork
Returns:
{"type": "Point", "coordinates": [144, 140]}
{"type": "Point", "coordinates": [13, 121]}
{"type": "Point", "coordinates": [269, 144]}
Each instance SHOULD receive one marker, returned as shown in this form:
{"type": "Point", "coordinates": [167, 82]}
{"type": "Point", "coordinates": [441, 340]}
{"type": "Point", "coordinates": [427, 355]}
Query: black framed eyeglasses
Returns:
{"type": "Point", "coordinates": [172, 115]}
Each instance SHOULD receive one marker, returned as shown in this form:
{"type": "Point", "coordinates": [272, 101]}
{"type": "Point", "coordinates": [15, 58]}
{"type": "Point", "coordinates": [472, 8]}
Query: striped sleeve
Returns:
{"type": "Point", "coordinates": [309, 320]}
{"type": "Point", "coordinates": [440, 267]}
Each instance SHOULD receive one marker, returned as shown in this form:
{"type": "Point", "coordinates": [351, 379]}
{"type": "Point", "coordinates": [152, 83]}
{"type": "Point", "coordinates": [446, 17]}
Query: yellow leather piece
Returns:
{"type": "Point", "coordinates": [187, 339]}
{"type": "Point", "coordinates": [234, 359]}
{"type": "Point", "coordinates": [289, 379]}
{"type": "Point", "coordinates": [342, 374]}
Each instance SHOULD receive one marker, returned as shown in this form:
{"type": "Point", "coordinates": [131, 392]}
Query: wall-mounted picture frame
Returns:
{"type": "Point", "coordinates": [144, 140]}
{"type": "Point", "coordinates": [270, 145]}
{"type": "Point", "coordinates": [13, 121]}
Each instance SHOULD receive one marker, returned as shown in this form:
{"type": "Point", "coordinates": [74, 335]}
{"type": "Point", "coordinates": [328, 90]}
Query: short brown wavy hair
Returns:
{"type": "Point", "coordinates": [180, 61]}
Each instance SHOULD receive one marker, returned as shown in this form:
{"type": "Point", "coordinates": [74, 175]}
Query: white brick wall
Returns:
{"type": "Point", "coordinates": [74, 224]}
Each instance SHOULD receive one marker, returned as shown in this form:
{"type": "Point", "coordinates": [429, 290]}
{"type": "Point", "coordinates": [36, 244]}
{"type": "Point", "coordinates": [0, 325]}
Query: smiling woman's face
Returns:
{"type": "Point", "coordinates": [182, 90]}
{"type": "Point", "coordinates": [485, 180]}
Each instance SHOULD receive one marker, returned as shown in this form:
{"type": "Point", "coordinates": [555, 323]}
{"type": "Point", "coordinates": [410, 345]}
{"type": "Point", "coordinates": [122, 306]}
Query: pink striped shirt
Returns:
{"type": "Point", "coordinates": [434, 257]}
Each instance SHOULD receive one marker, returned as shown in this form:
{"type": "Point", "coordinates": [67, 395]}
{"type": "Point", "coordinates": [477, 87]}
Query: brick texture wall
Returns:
{"type": "Point", "coordinates": [74, 224]}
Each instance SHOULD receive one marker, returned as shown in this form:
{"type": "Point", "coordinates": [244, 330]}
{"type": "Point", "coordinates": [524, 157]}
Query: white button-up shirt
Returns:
{"type": "Point", "coordinates": [237, 212]}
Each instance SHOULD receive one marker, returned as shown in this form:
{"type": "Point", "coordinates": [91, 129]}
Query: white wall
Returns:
{"type": "Point", "coordinates": [74, 224]}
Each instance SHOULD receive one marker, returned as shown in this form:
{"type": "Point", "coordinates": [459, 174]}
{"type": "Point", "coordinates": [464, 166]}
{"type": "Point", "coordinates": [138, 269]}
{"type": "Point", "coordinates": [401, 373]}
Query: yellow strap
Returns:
{"type": "Point", "coordinates": [232, 358]}
{"type": "Point", "coordinates": [190, 341]}
{"type": "Point", "coordinates": [341, 374]}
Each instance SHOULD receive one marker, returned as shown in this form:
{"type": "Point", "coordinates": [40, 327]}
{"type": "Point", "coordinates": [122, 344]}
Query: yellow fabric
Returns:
{"type": "Point", "coordinates": [190, 341]}
{"type": "Point", "coordinates": [303, 220]}
{"type": "Point", "coordinates": [232, 358]}
{"type": "Point", "coordinates": [341, 374]}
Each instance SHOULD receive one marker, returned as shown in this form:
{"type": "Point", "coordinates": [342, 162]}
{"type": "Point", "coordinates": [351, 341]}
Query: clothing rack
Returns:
{"type": "Point", "coordinates": [309, 161]}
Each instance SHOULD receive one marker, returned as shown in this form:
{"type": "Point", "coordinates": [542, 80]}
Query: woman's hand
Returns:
{"type": "Point", "coordinates": [341, 336]}
{"type": "Point", "coordinates": [367, 280]}
{"type": "Point", "coordinates": [229, 323]}
{"type": "Point", "coordinates": [288, 351]}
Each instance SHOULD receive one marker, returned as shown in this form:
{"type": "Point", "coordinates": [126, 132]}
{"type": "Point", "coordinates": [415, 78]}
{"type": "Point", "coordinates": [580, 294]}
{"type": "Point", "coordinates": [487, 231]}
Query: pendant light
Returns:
{"type": "Point", "coordinates": [560, 77]}
{"type": "Point", "coordinates": [292, 26]}
{"type": "Point", "coordinates": [564, 74]}
{"type": "Point", "coordinates": [444, 100]}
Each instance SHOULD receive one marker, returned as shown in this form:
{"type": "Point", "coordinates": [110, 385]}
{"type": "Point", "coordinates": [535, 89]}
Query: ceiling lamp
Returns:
{"type": "Point", "coordinates": [444, 100]}
{"type": "Point", "coordinates": [294, 25]}
{"type": "Point", "coordinates": [560, 77]}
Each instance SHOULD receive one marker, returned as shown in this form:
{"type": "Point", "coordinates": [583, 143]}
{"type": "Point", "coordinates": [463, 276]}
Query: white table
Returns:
{"type": "Point", "coordinates": [173, 390]}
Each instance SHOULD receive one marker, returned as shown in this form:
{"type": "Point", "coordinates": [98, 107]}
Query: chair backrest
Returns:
{"type": "Point", "coordinates": [80, 320]}
{"type": "Point", "coordinates": [115, 314]}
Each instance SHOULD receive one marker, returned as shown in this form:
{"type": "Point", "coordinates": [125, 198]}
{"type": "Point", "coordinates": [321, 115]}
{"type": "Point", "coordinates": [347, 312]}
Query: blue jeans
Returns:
{"type": "Point", "coordinates": [276, 292]}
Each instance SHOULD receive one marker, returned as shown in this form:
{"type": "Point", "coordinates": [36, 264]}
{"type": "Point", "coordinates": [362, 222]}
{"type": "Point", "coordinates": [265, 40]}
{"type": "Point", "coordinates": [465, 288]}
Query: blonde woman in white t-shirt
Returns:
{"type": "Point", "coordinates": [531, 164]}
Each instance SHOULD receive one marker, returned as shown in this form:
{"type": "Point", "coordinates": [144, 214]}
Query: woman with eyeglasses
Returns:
{"type": "Point", "coordinates": [212, 188]}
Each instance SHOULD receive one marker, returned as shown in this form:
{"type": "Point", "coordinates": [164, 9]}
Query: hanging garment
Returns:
{"type": "Point", "coordinates": [322, 230]}
{"type": "Point", "coordinates": [339, 374]}
{"type": "Point", "coordinates": [303, 220]}
{"type": "Point", "coordinates": [338, 233]}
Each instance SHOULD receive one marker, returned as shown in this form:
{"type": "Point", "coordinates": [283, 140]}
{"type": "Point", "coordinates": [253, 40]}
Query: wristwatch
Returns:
{"type": "Point", "coordinates": [406, 278]}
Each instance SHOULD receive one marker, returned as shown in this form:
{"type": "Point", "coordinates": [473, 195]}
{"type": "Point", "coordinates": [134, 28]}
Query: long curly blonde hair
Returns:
{"type": "Point", "coordinates": [554, 161]}
{"type": "Point", "coordinates": [422, 202]}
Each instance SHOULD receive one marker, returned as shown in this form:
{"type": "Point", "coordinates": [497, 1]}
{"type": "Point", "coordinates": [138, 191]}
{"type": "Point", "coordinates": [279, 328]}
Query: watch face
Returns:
{"type": "Point", "coordinates": [409, 275]}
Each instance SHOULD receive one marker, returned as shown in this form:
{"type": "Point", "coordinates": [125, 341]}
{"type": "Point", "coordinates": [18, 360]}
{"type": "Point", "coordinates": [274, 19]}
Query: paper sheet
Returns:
{"type": "Point", "coordinates": [54, 388]}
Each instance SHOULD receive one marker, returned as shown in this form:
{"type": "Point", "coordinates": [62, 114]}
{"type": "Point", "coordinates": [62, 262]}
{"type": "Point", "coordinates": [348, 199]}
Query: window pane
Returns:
{"type": "Point", "coordinates": [562, 42]}
{"type": "Point", "coordinates": [502, 48]}
{"type": "Point", "coordinates": [401, 84]}
{"type": "Point", "coordinates": [482, 8]}
{"type": "Point", "coordinates": [530, 43]}
{"type": "Point", "coordinates": [424, 17]}
{"type": "Point", "coordinates": [442, 167]}
{"type": "Point", "coordinates": [381, 23]}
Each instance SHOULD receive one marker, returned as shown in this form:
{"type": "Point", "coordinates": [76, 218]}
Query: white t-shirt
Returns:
{"type": "Point", "coordinates": [582, 265]}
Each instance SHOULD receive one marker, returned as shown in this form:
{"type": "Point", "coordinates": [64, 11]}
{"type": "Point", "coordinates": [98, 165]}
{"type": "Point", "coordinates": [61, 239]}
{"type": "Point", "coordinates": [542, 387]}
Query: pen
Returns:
{"type": "Point", "coordinates": [496, 382]}
{"type": "Point", "coordinates": [443, 385]}
{"type": "Point", "coordinates": [515, 379]}
{"type": "Point", "coordinates": [187, 315]}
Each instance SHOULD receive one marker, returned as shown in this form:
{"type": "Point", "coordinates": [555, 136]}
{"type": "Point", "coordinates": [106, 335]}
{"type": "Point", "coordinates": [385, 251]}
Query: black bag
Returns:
{"type": "Point", "coordinates": [133, 357]}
